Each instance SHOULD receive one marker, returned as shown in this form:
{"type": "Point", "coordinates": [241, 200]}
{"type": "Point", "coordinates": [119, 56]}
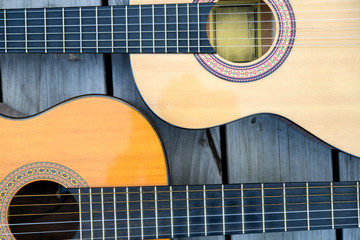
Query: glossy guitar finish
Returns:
{"type": "Point", "coordinates": [317, 86]}
{"type": "Point", "coordinates": [94, 141]}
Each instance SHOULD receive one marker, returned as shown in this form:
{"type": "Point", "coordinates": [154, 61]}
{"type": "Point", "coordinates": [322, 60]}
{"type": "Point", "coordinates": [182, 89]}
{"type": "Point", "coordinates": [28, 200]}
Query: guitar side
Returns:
{"type": "Point", "coordinates": [88, 142]}
{"type": "Point", "coordinates": [317, 87]}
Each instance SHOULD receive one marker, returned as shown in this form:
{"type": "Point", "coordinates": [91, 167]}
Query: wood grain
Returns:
{"type": "Point", "coordinates": [308, 88]}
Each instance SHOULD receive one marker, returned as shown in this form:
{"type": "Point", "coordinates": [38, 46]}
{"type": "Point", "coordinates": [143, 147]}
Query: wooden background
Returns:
{"type": "Point", "coordinates": [260, 148]}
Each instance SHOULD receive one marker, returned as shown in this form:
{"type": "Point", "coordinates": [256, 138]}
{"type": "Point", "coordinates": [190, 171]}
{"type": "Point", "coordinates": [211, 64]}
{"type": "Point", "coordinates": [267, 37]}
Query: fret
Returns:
{"type": "Point", "coordinates": [284, 202]}
{"type": "Point", "coordinates": [80, 28]}
{"type": "Point", "coordinates": [35, 30]}
{"type": "Point", "coordinates": [75, 29]}
{"type": "Point", "coordinates": [140, 30]}
{"type": "Point", "coordinates": [122, 220]}
{"type": "Point", "coordinates": [198, 25]}
{"type": "Point", "coordinates": [156, 214]}
{"type": "Point", "coordinates": [96, 212]}
{"type": "Point", "coordinates": [63, 29]}
{"type": "Point", "coordinates": [320, 205]}
{"type": "Point", "coordinates": [263, 207]}
{"type": "Point", "coordinates": [296, 200]}
{"type": "Point", "coordinates": [109, 214]}
{"type": "Point", "coordinates": [126, 29]}
{"type": "Point", "coordinates": [26, 29]}
{"type": "Point", "coordinates": [188, 26]}
{"type": "Point", "coordinates": [91, 215]}
{"type": "Point", "coordinates": [223, 208]}
{"type": "Point", "coordinates": [45, 30]}
{"type": "Point", "coordinates": [135, 36]}
{"type": "Point", "coordinates": [205, 221]}
{"type": "Point", "coordinates": [83, 198]}
{"type": "Point", "coordinates": [115, 215]}
{"type": "Point", "coordinates": [180, 216]}
{"type": "Point", "coordinates": [233, 209]}
{"type": "Point", "coordinates": [345, 204]}
{"type": "Point", "coordinates": [89, 30]}
{"type": "Point", "coordinates": [242, 209]}
{"type": "Point", "coordinates": [163, 203]}
{"type": "Point", "coordinates": [358, 202]}
{"type": "Point", "coordinates": [165, 21]}
{"type": "Point", "coordinates": [273, 207]}
{"type": "Point", "coordinates": [128, 213]}
{"type": "Point", "coordinates": [102, 212]}
{"type": "Point", "coordinates": [80, 214]}
{"type": "Point", "coordinates": [332, 205]}
{"type": "Point", "coordinates": [105, 29]}
{"type": "Point", "coordinates": [213, 209]}
{"type": "Point", "coordinates": [153, 26]}
{"type": "Point", "coordinates": [54, 30]}
{"type": "Point", "coordinates": [177, 28]}
{"type": "Point", "coordinates": [112, 28]}
{"type": "Point", "coordinates": [97, 28]}
{"type": "Point", "coordinates": [141, 213]}
{"type": "Point", "coordinates": [171, 212]}
{"type": "Point", "coordinates": [150, 226]}
{"type": "Point", "coordinates": [307, 206]}
{"type": "Point", "coordinates": [187, 211]}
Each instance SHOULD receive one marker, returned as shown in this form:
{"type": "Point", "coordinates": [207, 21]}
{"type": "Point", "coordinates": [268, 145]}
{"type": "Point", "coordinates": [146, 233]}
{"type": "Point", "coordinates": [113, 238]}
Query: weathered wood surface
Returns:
{"type": "Point", "coordinates": [260, 148]}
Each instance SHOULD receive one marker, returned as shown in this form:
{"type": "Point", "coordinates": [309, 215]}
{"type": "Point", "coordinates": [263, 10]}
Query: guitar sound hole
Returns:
{"type": "Point", "coordinates": [241, 31]}
{"type": "Point", "coordinates": [43, 210]}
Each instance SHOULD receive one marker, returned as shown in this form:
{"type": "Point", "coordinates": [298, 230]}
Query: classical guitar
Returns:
{"type": "Point", "coordinates": [211, 62]}
{"type": "Point", "coordinates": [60, 171]}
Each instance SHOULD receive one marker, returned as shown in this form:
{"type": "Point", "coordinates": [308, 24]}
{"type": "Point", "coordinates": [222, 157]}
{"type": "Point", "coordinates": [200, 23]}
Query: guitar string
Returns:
{"type": "Point", "coordinates": [174, 23]}
{"type": "Point", "coordinates": [193, 39]}
{"type": "Point", "coordinates": [214, 232]}
{"type": "Point", "coordinates": [198, 190]}
{"type": "Point", "coordinates": [185, 199]}
{"type": "Point", "coordinates": [183, 225]}
{"type": "Point", "coordinates": [162, 16]}
{"type": "Point", "coordinates": [164, 209]}
{"type": "Point", "coordinates": [135, 7]}
{"type": "Point", "coordinates": [191, 216]}
{"type": "Point", "coordinates": [76, 49]}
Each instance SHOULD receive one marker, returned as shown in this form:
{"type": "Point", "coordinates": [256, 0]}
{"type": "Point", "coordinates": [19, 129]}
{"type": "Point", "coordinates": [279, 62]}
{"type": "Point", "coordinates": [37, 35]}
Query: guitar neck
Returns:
{"type": "Point", "coordinates": [183, 211]}
{"type": "Point", "coordinates": [171, 28]}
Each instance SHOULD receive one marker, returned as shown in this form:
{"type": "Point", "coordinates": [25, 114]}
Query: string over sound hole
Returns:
{"type": "Point", "coordinates": [43, 210]}
{"type": "Point", "coordinates": [241, 31]}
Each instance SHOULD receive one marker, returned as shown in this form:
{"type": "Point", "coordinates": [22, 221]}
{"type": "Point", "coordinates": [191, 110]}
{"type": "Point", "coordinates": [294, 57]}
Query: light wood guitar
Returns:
{"type": "Point", "coordinates": [94, 168]}
{"type": "Point", "coordinates": [294, 58]}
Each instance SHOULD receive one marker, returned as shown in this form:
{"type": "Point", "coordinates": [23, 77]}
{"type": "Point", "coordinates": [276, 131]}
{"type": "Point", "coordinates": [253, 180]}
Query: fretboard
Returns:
{"type": "Point", "coordinates": [171, 28]}
{"type": "Point", "coordinates": [187, 211]}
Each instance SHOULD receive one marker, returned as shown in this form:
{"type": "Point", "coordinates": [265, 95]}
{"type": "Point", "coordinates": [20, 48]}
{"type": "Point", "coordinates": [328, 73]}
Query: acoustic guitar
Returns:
{"type": "Point", "coordinates": [211, 62]}
{"type": "Point", "coordinates": [94, 168]}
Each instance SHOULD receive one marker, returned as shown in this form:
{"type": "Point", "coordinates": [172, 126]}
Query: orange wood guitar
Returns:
{"type": "Point", "coordinates": [60, 171]}
{"type": "Point", "coordinates": [310, 75]}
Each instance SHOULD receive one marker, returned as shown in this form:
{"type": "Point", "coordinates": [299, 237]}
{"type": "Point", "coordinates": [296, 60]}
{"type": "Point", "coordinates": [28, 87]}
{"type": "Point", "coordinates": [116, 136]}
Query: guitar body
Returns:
{"type": "Point", "coordinates": [87, 142]}
{"type": "Point", "coordinates": [317, 86]}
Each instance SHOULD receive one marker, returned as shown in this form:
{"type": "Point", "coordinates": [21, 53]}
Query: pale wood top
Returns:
{"type": "Point", "coordinates": [316, 87]}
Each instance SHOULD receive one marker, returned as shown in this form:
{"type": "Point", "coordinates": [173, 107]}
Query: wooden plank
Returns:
{"type": "Point", "coordinates": [261, 148]}
{"type": "Point", "coordinates": [34, 82]}
{"type": "Point", "coordinates": [349, 168]}
{"type": "Point", "coordinates": [191, 159]}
